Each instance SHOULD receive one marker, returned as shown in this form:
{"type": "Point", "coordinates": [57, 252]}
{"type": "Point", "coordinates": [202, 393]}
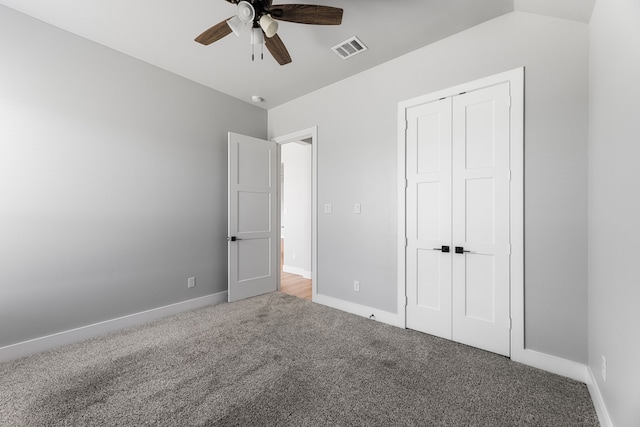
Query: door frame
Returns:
{"type": "Point", "coordinates": [516, 192]}
{"type": "Point", "coordinates": [309, 133]}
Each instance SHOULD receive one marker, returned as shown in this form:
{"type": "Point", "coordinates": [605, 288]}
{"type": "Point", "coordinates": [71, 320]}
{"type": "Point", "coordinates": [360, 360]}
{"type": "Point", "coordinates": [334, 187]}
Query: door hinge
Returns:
{"type": "Point", "coordinates": [406, 183]}
{"type": "Point", "coordinates": [406, 125]}
{"type": "Point", "coordinates": [509, 324]}
{"type": "Point", "coordinates": [406, 242]}
{"type": "Point", "coordinates": [406, 301]}
{"type": "Point", "coordinates": [509, 176]}
{"type": "Point", "coordinates": [509, 249]}
{"type": "Point", "coordinates": [509, 101]}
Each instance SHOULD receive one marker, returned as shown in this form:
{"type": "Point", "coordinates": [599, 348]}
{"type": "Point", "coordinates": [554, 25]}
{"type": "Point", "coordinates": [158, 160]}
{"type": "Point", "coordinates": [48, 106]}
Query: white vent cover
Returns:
{"type": "Point", "coordinates": [351, 47]}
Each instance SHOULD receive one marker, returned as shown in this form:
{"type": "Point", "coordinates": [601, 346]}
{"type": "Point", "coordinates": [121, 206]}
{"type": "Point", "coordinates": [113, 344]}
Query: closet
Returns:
{"type": "Point", "coordinates": [457, 217]}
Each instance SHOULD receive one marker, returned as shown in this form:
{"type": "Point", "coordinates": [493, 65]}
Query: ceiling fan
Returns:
{"type": "Point", "coordinates": [260, 16]}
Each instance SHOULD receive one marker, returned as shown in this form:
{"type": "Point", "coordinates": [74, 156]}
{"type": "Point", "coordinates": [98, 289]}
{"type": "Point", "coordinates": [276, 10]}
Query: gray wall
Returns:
{"type": "Point", "coordinates": [614, 206]}
{"type": "Point", "coordinates": [357, 162]}
{"type": "Point", "coordinates": [112, 182]}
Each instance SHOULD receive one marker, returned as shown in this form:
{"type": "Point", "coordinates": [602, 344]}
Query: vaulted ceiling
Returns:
{"type": "Point", "coordinates": [162, 32]}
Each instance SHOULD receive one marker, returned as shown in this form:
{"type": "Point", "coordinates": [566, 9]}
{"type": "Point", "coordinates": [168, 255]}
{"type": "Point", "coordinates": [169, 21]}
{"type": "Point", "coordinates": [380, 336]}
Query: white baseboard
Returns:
{"type": "Point", "coordinates": [598, 402]}
{"type": "Point", "coordinates": [359, 310]}
{"type": "Point", "coordinates": [71, 336]}
{"type": "Point", "coordinates": [566, 368]}
{"type": "Point", "coordinates": [297, 271]}
{"type": "Point", "coordinates": [557, 365]}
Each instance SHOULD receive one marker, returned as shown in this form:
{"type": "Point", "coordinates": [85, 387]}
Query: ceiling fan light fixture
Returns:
{"type": "Point", "coordinates": [257, 39]}
{"type": "Point", "coordinates": [256, 36]}
{"type": "Point", "coordinates": [268, 25]}
{"type": "Point", "coordinates": [237, 26]}
{"type": "Point", "coordinates": [243, 18]}
{"type": "Point", "coordinates": [246, 12]}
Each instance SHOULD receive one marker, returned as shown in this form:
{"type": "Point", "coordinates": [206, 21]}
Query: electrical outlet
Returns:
{"type": "Point", "coordinates": [604, 369]}
{"type": "Point", "coordinates": [356, 286]}
{"type": "Point", "coordinates": [191, 282]}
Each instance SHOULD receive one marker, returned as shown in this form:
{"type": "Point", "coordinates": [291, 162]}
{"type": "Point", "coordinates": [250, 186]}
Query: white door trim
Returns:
{"type": "Point", "coordinates": [516, 79]}
{"type": "Point", "coordinates": [312, 133]}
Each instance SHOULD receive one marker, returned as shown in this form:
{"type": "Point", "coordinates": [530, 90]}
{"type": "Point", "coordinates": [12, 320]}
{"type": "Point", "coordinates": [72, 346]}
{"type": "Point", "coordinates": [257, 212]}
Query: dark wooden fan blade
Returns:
{"type": "Point", "coordinates": [277, 49]}
{"type": "Point", "coordinates": [307, 14]}
{"type": "Point", "coordinates": [267, 4]}
{"type": "Point", "coordinates": [214, 33]}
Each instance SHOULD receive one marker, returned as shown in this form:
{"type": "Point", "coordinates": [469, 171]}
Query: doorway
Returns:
{"type": "Point", "coordinates": [297, 218]}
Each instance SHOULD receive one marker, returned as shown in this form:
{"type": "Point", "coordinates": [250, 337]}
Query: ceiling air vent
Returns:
{"type": "Point", "coordinates": [351, 47]}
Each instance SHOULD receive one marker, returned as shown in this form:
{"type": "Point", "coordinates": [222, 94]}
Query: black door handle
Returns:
{"type": "Point", "coordinates": [460, 250]}
{"type": "Point", "coordinates": [232, 239]}
{"type": "Point", "coordinates": [443, 249]}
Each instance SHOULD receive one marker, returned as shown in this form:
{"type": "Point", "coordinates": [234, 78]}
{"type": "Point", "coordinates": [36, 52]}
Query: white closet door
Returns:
{"type": "Point", "coordinates": [481, 176]}
{"type": "Point", "coordinates": [429, 217]}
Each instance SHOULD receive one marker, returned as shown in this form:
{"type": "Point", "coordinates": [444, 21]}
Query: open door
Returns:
{"type": "Point", "coordinates": [252, 219]}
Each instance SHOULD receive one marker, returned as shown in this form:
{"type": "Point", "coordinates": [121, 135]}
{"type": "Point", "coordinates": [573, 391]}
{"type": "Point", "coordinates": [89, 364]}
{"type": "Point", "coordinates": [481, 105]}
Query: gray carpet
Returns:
{"type": "Point", "coordinates": [276, 360]}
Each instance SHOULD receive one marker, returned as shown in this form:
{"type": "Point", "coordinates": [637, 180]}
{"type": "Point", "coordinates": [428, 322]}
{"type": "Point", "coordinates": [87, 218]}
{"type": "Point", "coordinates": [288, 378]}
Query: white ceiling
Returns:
{"type": "Point", "coordinates": [161, 32]}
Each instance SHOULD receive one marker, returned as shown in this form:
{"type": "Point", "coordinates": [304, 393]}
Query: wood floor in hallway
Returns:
{"type": "Point", "coordinates": [292, 284]}
{"type": "Point", "coordinates": [295, 285]}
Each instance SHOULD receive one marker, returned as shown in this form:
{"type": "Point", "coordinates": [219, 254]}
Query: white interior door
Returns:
{"type": "Point", "coordinates": [457, 198]}
{"type": "Point", "coordinates": [252, 217]}
{"type": "Point", "coordinates": [428, 167]}
{"type": "Point", "coordinates": [480, 226]}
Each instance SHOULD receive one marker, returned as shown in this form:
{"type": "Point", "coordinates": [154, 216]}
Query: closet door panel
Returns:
{"type": "Point", "coordinates": [428, 166]}
{"type": "Point", "coordinates": [480, 189]}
